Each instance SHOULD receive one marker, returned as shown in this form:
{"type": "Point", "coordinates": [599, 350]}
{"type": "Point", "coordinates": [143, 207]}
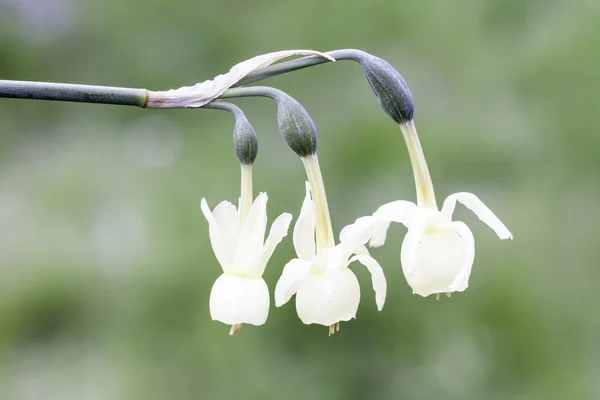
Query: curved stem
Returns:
{"type": "Point", "coordinates": [253, 91]}
{"type": "Point", "coordinates": [246, 196]}
{"type": "Point", "coordinates": [224, 106]}
{"type": "Point", "coordinates": [300, 63]}
{"type": "Point", "coordinates": [75, 93]}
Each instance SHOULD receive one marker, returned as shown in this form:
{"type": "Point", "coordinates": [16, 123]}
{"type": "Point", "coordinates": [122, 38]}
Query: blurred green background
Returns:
{"type": "Point", "coordinates": [105, 263]}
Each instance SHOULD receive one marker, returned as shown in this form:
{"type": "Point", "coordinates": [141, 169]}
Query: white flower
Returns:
{"type": "Point", "coordinates": [240, 295]}
{"type": "Point", "coordinates": [437, 253]}
{"type": "Point", "coordinates": [326, 290]}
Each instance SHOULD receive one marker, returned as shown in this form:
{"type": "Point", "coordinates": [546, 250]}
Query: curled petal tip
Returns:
{"type": "Point", "coordinates": [505, 234]}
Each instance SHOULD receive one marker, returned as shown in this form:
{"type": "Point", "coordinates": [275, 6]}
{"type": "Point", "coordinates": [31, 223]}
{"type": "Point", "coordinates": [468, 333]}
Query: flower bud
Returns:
{"type": "Point", "coordinates": [295, 125]}
{"type": "Point", "coordinates": [245, 140]}
{"type": "Point", "coordinates": [389, 87]}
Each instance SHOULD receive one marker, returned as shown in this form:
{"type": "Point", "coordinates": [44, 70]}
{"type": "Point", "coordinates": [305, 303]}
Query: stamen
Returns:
{"type": "Point", "coordinates": [337, 326]}
{"type": "Point", "coordinates": [437, 297]}
{"type": "Point", "coordinates": [331, 329]}
{"type": "Point", "coordinates": [448, 294]}
{"type": "Point", "coordinates": [235, 328]}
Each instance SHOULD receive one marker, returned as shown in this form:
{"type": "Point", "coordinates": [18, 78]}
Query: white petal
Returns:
{"type": "Point", "coordinates": [222, 232]}
{"type": "Point", "coordinates": [434, 259]}
{"type": "Point", "coordinates": [358, 233]}
{"type": "Point", "coordinates": [238, 300]}
{"type": "Point", "coordinates": [379, 234]}
{"type": "Point", "coordinates": [462, 280]}
{"type": "Point", "coordinates": [473, 203]}
{"type": "Point", "coordinates": [279, 230]}
{"type": "Point", "coordinates": [313, 306]}
{"type": "Point", "coordinates": [336, 259]}
{"type": "Point", "coordinates": [377, 278]}
{"type": "Point", "coordinates": [361, 250]}
{"type": "Point", "coordinates": [291, 278]}
{"type": "Point", "coordinates": [397, 211]}
{"type": "Point", "coordinates": [249, 249]}
{"type": "Point", "coordinates": [227, 217]}
{"type": "Point", "coordinates": [304, 231]}
{"type": "Point", "coordinates": [202, 93]}
{"type": "Point", "coordinates": [400, 211]}
{"type": "Point", "coordinates": [411, 245]}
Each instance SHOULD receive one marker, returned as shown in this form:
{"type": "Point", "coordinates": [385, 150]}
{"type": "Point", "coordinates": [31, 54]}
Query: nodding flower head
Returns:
{"type": "Point", "coordinates": [245, 140]}
{"type": "Point", "coordinates": [296, 126]}
{"type": "Point", "coordinates": [390, 88]}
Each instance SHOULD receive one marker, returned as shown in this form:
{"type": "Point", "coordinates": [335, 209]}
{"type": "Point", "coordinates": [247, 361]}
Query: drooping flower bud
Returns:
{"type": "Point", "coordinates": [295, 125]}
{"type": "Point", "coordinates": [390, 88]}
{"type": "Point", "coordinates": [245, 140]}
{"type": "Point", "coordinates": [387, 83]}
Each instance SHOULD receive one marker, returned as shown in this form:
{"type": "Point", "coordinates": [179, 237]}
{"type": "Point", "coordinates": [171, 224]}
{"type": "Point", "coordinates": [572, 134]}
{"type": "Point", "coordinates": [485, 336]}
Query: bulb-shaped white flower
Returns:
{"type": "Point", "coordinates": [327, 291]}
{"type": "Point", "coordinates": [437, 253]}
{"type": "Point", "coordinates": [237, 235]}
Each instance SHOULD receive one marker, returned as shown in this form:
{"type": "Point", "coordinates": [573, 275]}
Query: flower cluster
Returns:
{"type": "Point", "coordinates": [436, 255]}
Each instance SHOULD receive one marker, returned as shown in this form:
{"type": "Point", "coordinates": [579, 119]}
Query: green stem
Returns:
{"type": "Point", "coordinates": [300, 63]}
{"type": "Point", "coordinates": [76, 93]}
{"type": "Point", "coordinates": [253, 91]}
{"type": "Point", "coordinates": [139, 97]}
{"type": "Point", "coordinates": [224, 106]}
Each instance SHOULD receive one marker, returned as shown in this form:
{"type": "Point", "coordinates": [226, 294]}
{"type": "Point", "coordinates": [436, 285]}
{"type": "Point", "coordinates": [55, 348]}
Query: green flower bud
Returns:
{"type": "Point", "coordinates": [295, 125]}
{"type": "Point", "coordinates": [389, 87]}
{"type": "Point", "coordinates": [245, 140]}
{"type": "Point", "coordinates": [387, 83]}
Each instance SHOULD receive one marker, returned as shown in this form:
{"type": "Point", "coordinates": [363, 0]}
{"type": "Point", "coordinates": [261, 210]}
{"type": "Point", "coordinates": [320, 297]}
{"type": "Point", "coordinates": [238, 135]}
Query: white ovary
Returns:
{"type": "Point", "coordinates": [239, 300]}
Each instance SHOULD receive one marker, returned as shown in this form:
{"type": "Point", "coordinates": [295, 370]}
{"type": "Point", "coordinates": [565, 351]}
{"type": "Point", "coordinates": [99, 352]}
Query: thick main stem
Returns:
{"type": "Point", "coordinates": [139, 97]}
{"type": "Point", "coordinates": [324, 231]}
{"type": "Point", "coordinates": [76, 93]}
{"type": "Point", "coordinates": [423, 183]}
{"type": "Point", "coordinates": [246, 192]}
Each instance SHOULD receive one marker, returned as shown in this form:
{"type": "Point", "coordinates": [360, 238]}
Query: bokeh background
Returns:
{"type": "Point", "coordinates": [105, 262]}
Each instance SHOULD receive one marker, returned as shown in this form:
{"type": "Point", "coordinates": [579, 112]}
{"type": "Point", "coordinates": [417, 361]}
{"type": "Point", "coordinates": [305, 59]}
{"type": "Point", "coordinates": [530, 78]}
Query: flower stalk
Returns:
{"type": "Point", "coordinates": [423, 183]}
{"type": "Point", "coordinates": [246, 192]}
{"type": "Point", "coordinates": [323, 231]}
